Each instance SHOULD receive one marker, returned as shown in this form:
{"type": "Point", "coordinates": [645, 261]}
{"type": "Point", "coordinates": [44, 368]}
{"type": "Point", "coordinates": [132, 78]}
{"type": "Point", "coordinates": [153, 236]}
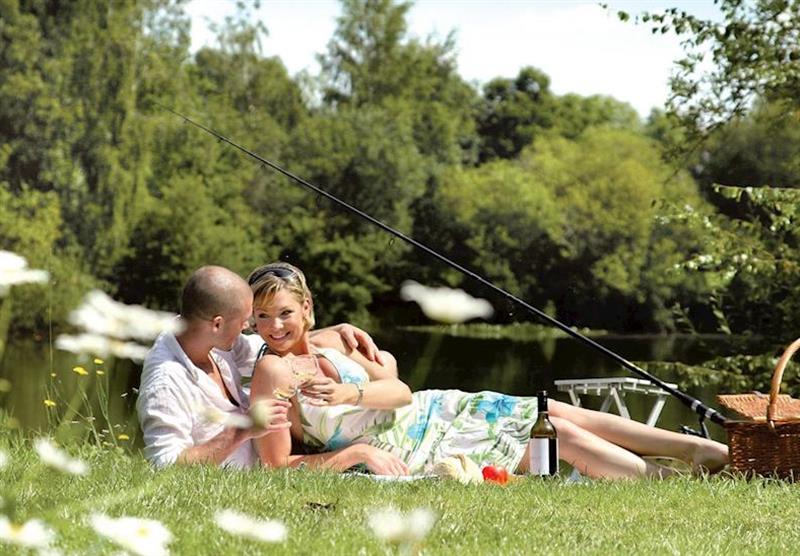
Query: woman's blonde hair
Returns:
{"type": "Point", "coordinates": [269, 279]}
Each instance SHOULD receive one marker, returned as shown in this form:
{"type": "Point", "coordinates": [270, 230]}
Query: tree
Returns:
{"type": "Point", "coordinates": [754, 54]}
{"type": "Point", "coordinates": [512, 112]}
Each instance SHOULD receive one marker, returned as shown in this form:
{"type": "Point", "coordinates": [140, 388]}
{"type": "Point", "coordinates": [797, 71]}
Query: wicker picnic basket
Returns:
{"type": "Point", "coordinates": [768, 442]}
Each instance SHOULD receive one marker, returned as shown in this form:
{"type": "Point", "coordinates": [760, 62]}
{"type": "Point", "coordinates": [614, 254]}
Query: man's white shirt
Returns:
{"type": "Point", "coordinates": [174, 392]}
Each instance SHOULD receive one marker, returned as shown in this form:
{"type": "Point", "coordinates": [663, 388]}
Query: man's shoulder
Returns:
{"type": "Point", "coordinates": [164, 374]}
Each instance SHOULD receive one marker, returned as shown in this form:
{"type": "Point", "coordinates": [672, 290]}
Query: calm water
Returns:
{"type": "Point", "coordinates": [426, 361]}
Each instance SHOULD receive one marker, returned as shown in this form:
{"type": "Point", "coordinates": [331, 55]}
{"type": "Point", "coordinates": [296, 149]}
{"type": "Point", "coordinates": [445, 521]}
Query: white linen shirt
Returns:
{"type": "Point", "coordinates": [173, 392]}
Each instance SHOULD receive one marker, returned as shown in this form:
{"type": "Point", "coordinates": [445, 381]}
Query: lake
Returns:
{"type": "Point", "coordinates": [426, 360]}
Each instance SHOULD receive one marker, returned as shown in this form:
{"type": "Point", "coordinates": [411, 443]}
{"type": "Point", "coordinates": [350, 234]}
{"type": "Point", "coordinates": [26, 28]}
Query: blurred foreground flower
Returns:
{"type": "Point", "coordinates": [404, 530]}
{"type": "Point", "coordinates": [31, 534]}
{"type": "Point", "coordinates": [444, 304]}
{"type": "Point", "coordinates": [145, 537]}
{"type": "Point", "coordinates": [14, 270]}
{"type": "Point", "coordinates": [242, 525]}
{"type": "Point", "coordinates": [262, 413]}
{"type": "Point", "coordinates": [52, 456]}
{"type": "Point", "coordinates": [100, 345]}
{"type": "Point", "coordinates": [109, 323]}
{"type": "Point", "coordinates": [3, 459]}
{"type": "Point", "coordinates": [99, 314]}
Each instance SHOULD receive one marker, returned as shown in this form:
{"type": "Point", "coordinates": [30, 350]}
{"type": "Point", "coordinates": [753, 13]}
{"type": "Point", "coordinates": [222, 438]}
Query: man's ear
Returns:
{"type": "Point", "coordinates": [217, 322]}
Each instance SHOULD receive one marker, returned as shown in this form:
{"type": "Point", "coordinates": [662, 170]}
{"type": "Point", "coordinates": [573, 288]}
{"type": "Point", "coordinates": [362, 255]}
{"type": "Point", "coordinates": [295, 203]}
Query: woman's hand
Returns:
{"type": "Point", "coordinates": [269, 415]}
{"type": "Point", "coordinates": [382, 462]}
{"type": "Point", "coordinates": [323, 390]}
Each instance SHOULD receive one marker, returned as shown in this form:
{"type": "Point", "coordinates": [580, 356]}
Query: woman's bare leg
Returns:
{"type": "Point", "coordinates": [595, 457]}
{"type": "Point", "coordinates": [643, 439]}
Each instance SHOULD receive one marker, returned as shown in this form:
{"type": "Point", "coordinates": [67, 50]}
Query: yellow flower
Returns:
{"type": "Point", "coordinates": [80, 370]}
{"type": "Point", "coordinates": [100, 372]}
{"type": "Point", "coordinates": [98, 361]}
{"type": "Point", "coordinates": [49, 403]}
{"type": "Point", "coordinates": [123, 437]}
{"type": "Point", "coordinates": [53, 375]}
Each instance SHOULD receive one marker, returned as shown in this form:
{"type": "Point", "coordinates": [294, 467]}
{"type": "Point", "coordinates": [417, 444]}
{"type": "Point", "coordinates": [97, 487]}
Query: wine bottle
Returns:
{"type": "Point", "coordinates": [544, 442]}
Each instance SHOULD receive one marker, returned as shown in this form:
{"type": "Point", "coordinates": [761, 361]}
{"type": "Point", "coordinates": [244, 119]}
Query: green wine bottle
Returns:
{"type": "Point", "coordinates": [544, 442]}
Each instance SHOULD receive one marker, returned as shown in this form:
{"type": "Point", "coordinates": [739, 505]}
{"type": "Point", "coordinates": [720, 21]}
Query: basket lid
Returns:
{"type": "Point", "coordinates": [754, 406]}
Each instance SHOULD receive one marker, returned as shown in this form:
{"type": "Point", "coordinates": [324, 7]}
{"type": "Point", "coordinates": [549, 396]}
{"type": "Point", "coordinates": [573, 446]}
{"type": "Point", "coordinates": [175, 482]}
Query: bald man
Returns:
{"type": "Point", "coordinates": [201, 368]}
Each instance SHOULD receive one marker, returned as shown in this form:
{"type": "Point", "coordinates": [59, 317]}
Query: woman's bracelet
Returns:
{"type": "Point", "coordinates": [360, 387]}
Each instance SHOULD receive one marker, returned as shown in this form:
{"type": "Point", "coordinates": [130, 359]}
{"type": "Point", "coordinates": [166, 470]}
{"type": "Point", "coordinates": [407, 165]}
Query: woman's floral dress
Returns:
{"type": "Point", "coordinates": [488, 427]}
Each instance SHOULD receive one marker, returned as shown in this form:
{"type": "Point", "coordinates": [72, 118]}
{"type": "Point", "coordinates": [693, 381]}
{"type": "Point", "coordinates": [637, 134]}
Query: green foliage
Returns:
{"type": "Point", "coordinates": [512, 112]}
{"type": "Point", "coordinates": [562, 200]}
{"type": "Point", "coordinates": [31, 225]}
{"type": "Point", "coordinates": [752, 54]}
{"type": "Point", "coordinates": [572, 114]}
{"type": "Point", "coordinates": [760, 149]}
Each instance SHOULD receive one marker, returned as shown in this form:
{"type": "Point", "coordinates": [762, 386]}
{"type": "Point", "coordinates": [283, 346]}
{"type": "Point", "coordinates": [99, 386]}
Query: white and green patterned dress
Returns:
{"type": "Point", "coordinates": [488, 427]}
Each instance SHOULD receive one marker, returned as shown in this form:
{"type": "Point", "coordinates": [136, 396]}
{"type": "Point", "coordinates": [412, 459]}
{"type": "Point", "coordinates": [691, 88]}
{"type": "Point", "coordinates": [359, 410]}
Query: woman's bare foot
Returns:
{"type": "Point", "coordinates": [709, 456]}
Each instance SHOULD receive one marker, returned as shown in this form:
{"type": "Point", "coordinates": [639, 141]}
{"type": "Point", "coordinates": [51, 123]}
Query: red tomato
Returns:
{"type": "Point", "coordinates": [495, 474]}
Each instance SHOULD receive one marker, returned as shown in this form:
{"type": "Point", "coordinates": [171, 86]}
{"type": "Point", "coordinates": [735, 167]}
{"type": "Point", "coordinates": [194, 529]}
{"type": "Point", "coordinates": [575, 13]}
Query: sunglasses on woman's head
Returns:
{"type": "Point", "coordinates": [279, 272]}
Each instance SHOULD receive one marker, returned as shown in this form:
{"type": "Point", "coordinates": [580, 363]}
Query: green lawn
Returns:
{"type": "Point", "coordinates": [327, 513]}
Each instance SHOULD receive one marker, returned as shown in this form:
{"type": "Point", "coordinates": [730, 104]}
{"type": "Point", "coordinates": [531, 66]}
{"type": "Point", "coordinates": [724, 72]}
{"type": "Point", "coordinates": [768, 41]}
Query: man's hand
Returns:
{"type": "Point", "coordinates": [382, 462]}
{"type": "Point", "coordinates": [355, 338]}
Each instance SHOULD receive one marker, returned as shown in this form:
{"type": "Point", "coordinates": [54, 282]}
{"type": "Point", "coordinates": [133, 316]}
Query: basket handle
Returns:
{"type": "Point", "coordinates": [777, 376]}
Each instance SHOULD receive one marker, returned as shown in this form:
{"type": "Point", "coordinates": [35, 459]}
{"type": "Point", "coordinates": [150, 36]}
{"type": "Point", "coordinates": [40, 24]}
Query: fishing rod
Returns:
{"type": "Point", "coordinates": [703, 411]}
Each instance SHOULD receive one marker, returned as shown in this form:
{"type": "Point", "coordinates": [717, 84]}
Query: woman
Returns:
{"type": "Point", "coordinates": [360, 413]}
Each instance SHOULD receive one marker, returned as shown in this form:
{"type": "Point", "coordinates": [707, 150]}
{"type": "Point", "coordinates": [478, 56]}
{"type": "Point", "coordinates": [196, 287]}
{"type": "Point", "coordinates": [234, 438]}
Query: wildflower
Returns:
{"type": "Point", "coordinates": [98, 361]}
{"type": "Point", "coordinates": [14, 270]}
{"type": "Point", "coordinates": [5, 385]}
{"type": "Point", "coordinates": [445, 304]}
{"type": "Point", "coordinates": [100, 372]}
{"type": "Point", "coordinates": [232, 419]}
{"type": "Point", "coordinates": [92, 343]}
{"type": "Point", "coordinates": [99, 314]}
{"type": "Point", "coordinates": [49, 403]}
{"type": "Point", "coordinates": [80, 370]}
{"type": "Point", "coordinates": [261, 415]}
{"type": "Point", "coordinates": [3, 459]}
{"type": "Point", "coordinates": [406, 530]}
{"type": "Point", "coordinates": [123, 436]}
{"type": "Point", "coordinates": [145, 537]}
{"type": "Point", "coordinates": [53, 375]}
{"type": "Point", "coordinates": [31, 534]}
{"type": "Point", "coordinates": [52, 456]}
{"type": "Point", "coordinates": [242, 525]}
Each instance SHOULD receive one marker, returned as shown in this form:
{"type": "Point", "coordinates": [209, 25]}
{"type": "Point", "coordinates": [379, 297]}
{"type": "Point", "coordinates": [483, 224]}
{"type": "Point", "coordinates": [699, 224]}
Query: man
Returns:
{"type": "Point", "coordinates": [200, 369]}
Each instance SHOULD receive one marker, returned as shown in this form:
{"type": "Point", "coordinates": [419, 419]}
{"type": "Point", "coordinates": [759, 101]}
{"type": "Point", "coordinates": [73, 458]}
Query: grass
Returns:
{"type": "Point", "coordinates": [327, 513]}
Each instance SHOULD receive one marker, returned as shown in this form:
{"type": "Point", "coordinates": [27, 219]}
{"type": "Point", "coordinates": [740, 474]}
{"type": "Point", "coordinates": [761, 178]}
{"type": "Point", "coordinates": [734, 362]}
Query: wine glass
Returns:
{"type": "Point", "coordinates": [303, 368]}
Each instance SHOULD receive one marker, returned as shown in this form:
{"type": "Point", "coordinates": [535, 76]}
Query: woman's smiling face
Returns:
{"type": "Point", "coordinates": [281, 321]}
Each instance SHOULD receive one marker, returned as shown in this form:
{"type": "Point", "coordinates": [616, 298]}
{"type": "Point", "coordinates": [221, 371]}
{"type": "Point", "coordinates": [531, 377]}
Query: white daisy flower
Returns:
{"type": "Point", "coordinates": [262, 413]}
{"type": "Point", "coordinates": [229, 419]}
{"type": "Point", "coordinates": [396, 527]}
{"type": "Point", "coordinates": [444, 304]}
{"type": "Point", "coordinates": [52, 456]}
{"type": "Point", "coordinates": [14, 270]}
{"type": "Point", "coordinates": [99, 314]}
{"type": "Point", "coordinates": [144, 537]}
{"type": "Point", "coordinates": [243, 525]}
{"type": "Point", "coordinates": [31, 534]}
{"type": "Point", "coordinates": [92, 344]}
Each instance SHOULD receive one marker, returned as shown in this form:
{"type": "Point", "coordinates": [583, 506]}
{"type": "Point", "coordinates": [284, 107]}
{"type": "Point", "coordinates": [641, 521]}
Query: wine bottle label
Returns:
{"type": "Point", "coordinates": [544, 456]}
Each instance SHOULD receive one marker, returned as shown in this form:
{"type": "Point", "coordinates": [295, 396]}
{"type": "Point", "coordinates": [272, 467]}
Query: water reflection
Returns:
{"type": "Point", "coordinates": [426, 361]}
